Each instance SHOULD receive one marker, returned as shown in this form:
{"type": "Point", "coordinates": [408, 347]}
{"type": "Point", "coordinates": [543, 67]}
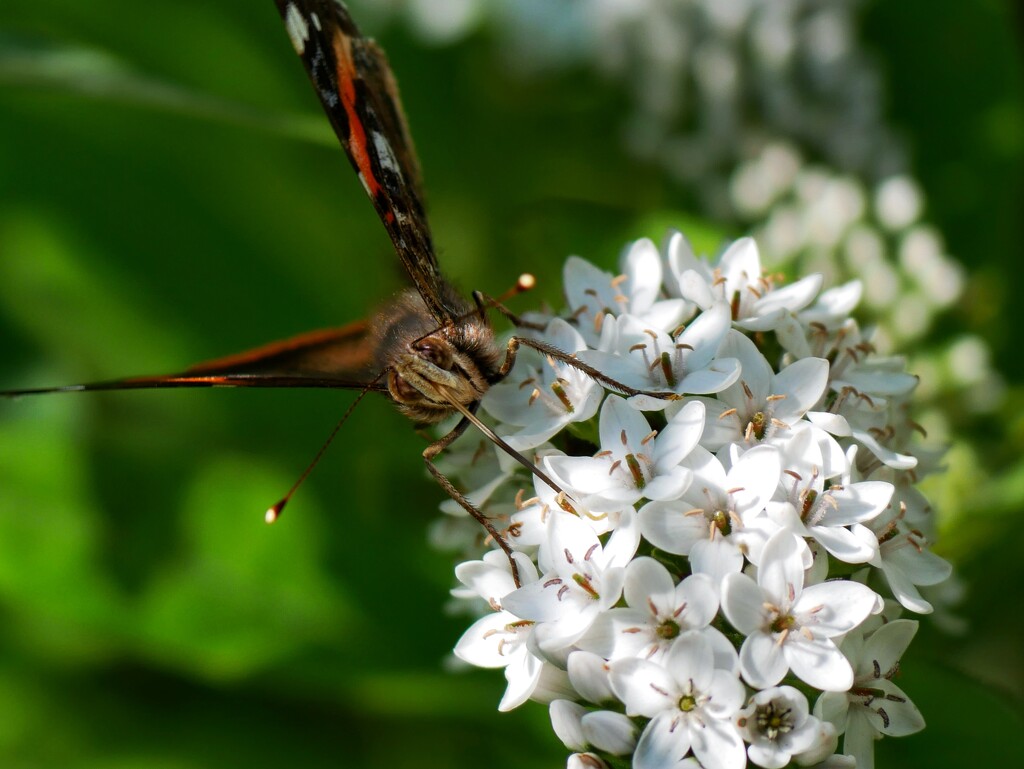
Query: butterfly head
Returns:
{"type": "Point", "coordinates": [430, 368]}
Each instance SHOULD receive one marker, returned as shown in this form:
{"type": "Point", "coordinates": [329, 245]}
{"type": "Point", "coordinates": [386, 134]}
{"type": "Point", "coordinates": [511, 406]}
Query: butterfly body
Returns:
{"type": "Point", "coordinates": [429, 366]}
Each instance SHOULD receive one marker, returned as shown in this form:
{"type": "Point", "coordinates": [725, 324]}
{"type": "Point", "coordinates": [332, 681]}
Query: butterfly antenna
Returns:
{"type": "Point", "coordinates": [274, 511]}
{"type": "Point", "coordinates": [484, 303]}
{"type": "Point", "coordinates": [525, 282]}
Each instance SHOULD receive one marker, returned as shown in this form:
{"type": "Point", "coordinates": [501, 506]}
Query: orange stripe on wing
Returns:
{"type": "Point", "coordinates": [357, 144]}
{"type": "Point", "coordinates": [354, 331]}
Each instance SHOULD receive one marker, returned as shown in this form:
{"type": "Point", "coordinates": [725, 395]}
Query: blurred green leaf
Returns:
{"type": "Point", "coordinates": [96, 74]}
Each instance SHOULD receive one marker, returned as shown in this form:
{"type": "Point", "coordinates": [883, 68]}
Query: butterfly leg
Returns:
{"type": "Point", "coordinates": [429, 453]}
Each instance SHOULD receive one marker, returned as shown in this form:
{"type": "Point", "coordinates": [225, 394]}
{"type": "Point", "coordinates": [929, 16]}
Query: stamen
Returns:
{"type": "Point", "coordinates": [559, 391]}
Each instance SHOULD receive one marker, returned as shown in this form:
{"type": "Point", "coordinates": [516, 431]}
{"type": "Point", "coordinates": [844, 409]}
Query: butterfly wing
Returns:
{"type": "Point", "coordinates": [357, 89]}
{"type": "Point", "coordinates": [333, 358]}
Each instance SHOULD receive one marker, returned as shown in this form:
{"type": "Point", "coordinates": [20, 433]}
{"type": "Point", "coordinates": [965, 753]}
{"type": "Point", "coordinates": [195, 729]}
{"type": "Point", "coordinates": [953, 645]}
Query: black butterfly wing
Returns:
{"type": "Point", "coordinates": [357, 89]}
{"type": "Point", "coordinates": [340, 358]}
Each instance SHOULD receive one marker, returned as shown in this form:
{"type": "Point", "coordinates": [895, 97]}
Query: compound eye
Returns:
{"type": "Point", "coordinates": [436, 351]}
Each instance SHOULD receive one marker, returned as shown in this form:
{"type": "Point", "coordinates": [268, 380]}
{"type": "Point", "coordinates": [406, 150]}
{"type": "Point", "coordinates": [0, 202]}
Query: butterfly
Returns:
{"type": "Point", "coordinates": [429, 349]}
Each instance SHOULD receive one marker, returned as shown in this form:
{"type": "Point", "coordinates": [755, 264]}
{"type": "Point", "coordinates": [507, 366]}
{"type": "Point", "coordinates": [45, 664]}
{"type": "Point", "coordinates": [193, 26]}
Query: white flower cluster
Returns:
{"type": "Point", "coordinates": [713, 558]}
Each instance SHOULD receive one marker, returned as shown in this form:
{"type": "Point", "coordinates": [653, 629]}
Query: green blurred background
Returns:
{"type": "Point", "coordinates": [169, 192]}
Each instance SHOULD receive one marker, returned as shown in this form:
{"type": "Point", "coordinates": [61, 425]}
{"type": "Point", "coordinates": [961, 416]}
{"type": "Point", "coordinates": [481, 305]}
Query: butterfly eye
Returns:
{"type": "Point", "coordinates": [436, 351]}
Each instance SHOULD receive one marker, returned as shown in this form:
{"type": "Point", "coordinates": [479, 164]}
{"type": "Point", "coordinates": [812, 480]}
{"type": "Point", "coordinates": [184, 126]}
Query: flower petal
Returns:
{"type": "Point", "coordinates": [781, 571]}
{"type": "Point", "coordinates": [718, 745]}
{"type": "Point", "coordinates": [704, 335]}
{"type": "Point", "coordinates": [646, 689]}
{"type": "Point", "coordinates": [835, 607]}
{"type": "Point", "coordinates": [716, 558]}
{"type": "Point", "coordinates": [803, 383]}
{"type": "Point", "coordinates": [762, 662]}
{"type": "Point", "coordinates": [886, 645]}
{"type": "Point", "coordinates": [566, 723]}
{"type": "Point", "coordinates": [649, 586]}
{"type": "Point", "coordinates": [903, 716]}
{"type": "Point", "coordinates": [588, 674]}
{"type": "Point", "coordinates": [523, 675]}
{"type": "Point", "coordinates": [482, 643]}
{"type": "Point", "coordinates": [743, 603]}
{"type": "Point", "coordinates": [679, 437]}
{"type": "Point", "coordinates": [611, 732]}
{"type": "Point", "coordinates": [819, 663]}
{"type": "Point", "coordinates": [697, 593]}
{"type": "Point", "coordinates": [668, 526]}
{"type": "Point", "coordinates": [661, 746]}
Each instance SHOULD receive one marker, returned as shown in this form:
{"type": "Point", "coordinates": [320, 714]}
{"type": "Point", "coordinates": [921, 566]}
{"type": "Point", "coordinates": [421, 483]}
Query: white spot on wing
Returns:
{"type": "Point", "coordinates": [316, 21]}
{"type": "Point", "coordinates": [298, 29]}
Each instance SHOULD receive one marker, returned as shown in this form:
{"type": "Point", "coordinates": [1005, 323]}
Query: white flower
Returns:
{"type": "Point", "coordinates": [528, 526]}
{"type": "Point", "coordinates": [866, 390]}
{"type": "Point", "coordinates": [874, 705]}
{"type": "Point", "coordinates": [905, 560]}
{"type": "Point", "coordinates": [490, 578]}
{"type": "Point", "coordinates": [540, 397]}
{"type": "Point", "coordinates": [718, 520]}
{"type": "Point", "coordinates": [634, 461]}
{"type": "Point", "coordinates": [737, 280]}
{"type": "Point", "coordinates": [500, 639]}
{"type": "Point", "coordinates": [690, 702]}
{"type": "Point", "coordinates": [592, 293]}
{"type": "Point", "coordinates": [646, 359]}
{"type": "Point", "coordinates": [789, 626]}
{"type": "Point", "coordinates": [801, 335]}
{"type": "Point", "coordinates": [658, 612]}
{"type": "Point", "coordinates": [762, 403]}
{"type": "Point", "coordinates": [582, 579]}
{"type": "Point", "coordinates": [833, 516]}
{"type": "Point", "coordinates": [777, 724]}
